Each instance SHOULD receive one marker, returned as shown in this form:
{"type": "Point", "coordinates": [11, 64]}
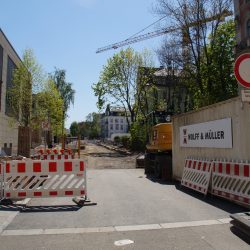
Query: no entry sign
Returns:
{"type": "Point", "coordinates": [242, 70]}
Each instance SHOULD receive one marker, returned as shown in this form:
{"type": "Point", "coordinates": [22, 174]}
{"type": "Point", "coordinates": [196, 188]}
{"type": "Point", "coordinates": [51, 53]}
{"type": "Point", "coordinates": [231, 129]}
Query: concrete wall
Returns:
{"type": "Point", "coordinates": [8, 127]}
{"type": "Point", "coordinates": [233, 108]}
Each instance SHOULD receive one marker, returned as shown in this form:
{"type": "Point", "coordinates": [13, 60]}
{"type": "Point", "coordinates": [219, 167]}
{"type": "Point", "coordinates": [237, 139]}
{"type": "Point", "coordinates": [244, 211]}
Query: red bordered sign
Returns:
{"type": "Point", "coordinates": [242, 70]}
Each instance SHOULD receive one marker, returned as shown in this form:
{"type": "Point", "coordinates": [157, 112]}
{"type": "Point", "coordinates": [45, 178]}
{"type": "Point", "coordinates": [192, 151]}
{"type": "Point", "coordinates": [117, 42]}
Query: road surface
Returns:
{"type": "Point", "coordinates": [129, 206]}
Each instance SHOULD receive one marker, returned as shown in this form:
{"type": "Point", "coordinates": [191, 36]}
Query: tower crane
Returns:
{"type": "Point", "coordinates": [164, 31]}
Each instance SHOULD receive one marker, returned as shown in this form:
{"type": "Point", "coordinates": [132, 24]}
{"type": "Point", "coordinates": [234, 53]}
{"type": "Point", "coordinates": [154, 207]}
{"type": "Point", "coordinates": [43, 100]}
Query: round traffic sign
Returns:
{"type": "Point", "coordinates": [242, 70]}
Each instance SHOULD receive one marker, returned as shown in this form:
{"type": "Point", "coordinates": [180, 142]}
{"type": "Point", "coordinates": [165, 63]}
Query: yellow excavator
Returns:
{"type": "Point", "coordinates": [158, 156]}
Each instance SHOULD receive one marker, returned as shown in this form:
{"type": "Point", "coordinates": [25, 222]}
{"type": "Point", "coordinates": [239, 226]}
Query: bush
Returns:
{"type": "Point", "coordinates": [138, 138]}
{"type": "Point", "coordinates": [125, 141]}
{"type": "Point", "coordinates": [117, 139]}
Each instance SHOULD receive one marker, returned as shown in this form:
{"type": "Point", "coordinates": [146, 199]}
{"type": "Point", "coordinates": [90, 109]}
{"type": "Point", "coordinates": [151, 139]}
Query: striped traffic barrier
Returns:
{"type": "Point", "coordinates": [196, 175]}
{"type": "Point", "coordinates": [53, 154]}
{"type": "Point", "coordinates": [44, 178]}
{"type": "Point", "coordinates": [1, 180]}
{"type": "Point", "coordinates": [52, 157]}
{"type": "Point", "coordinates": [231, 181]}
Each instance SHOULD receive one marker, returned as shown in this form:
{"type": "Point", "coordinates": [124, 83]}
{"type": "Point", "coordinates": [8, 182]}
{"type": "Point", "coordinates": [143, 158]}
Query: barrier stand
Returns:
{"type": "Point", "coordinates": [81, 201]}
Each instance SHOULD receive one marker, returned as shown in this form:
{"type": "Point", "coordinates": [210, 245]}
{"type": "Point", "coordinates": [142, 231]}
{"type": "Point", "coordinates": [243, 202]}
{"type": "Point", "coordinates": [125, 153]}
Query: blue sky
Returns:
{"type": "Point", "coordinates": [66, 33]}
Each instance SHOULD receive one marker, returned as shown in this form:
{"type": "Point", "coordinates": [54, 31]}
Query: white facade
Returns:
{"type": "Point", "coordinates": [8, 126]}
{"type": "Point", "coordinates": [113, 122]}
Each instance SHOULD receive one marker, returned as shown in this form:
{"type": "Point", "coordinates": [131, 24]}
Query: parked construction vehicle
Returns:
{"type": "Point", "coordinates": [158, 156]}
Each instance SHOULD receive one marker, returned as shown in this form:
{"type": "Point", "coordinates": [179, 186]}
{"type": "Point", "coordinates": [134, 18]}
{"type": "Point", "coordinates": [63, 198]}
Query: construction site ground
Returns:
{"type": "Point", "coordinates": [150, 213]}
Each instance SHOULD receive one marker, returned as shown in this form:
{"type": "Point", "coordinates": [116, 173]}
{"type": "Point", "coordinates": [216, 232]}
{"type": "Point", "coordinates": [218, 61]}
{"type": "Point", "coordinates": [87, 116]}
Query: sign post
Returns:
{"type": "Point", "coordinates": [242, 70]}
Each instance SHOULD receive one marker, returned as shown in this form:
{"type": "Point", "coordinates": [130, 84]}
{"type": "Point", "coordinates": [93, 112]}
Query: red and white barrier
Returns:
{"type": "Point", "coordinates": [53, 154]}
{"type": "Point", "coordinates": [52, 157]}
{"type": "Point", "coordinates": [196, 175]}
{"type": "Point", "coordinates": [232, 181]}
{"type": "Point", "coordinates": [1, 180]}
{"type": "Point", "coordinates": [44, 178]}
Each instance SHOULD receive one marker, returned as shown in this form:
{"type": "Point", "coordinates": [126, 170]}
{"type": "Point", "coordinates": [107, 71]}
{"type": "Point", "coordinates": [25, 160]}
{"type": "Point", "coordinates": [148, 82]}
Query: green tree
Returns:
{"type": "Point", "coordinates": [118, 81]}
{"type": "Point", "coordinates": [198, 23]}
{"type": "Point", "coordinates": [28, 79]}
{"type": "Point", "coordinates": [219, 82]}
{"type": "Point", "coordinates": [92, 124]}
{"type": "Point", "coordinates": [65, 90]}
{"type": "Point", "coordinates": [74, 129]}
{"type": "Point", "coordinates": [47, 105]}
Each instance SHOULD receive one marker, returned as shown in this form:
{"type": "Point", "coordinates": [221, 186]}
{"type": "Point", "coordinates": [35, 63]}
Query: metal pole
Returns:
{"type": "Point", "coordinates": [79, 146]}
{"type": "Point", "coordinates": [45, 139]}
{"type": "Point", "coordinates": [85, 176]}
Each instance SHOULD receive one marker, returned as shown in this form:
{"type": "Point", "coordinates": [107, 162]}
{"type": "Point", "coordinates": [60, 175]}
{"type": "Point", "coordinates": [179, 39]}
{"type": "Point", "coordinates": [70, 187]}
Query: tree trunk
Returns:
{"type": "Point", "coordinates": [24, 139]}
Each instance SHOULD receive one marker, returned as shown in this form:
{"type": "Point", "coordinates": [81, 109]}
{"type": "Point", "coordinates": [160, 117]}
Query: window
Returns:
{"type": "Point", "coordinates": [121, 127]}
{"type": "Point", "coordinates": [111, 126]}
{"type": "Point", "coordinates": [10, 68]}
{"type": "Point", "coordinates": [117, 126]}
{"type": "Point", "coordinates": [1, 73]}
{"type": "Point", "coordinates": [121, 120]}
{"type": "Point", "coordinates": [116, 120]}
{"type": "Point", "coordinates": [248, 28]}
{"type": "Point", "coordinates": [111, 120]}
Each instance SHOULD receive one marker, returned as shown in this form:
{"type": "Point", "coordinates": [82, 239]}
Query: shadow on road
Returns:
{"type": "Point", "coordinates": [61, 208]}
{"type": "Point", "coordinates": [32, 209]}
{"type": "Point", "coordinates": [215, 201]}
{"type": "Point", "coordinates": [239, 234]}
{"type": "Point", "coordinates": [220, 203]}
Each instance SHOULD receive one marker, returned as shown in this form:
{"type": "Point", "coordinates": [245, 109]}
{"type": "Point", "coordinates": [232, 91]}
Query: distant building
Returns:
{"type": "Point", "coordinates": [113, 121]}
{"type": "Point", "coordinates": [9, 60]}
{"type": "Point", "coordinates": [242, 17]}
{"type": "Point", "coordinates": [164, 89]}
{"type": "Point", "coordinates": [171, 91]}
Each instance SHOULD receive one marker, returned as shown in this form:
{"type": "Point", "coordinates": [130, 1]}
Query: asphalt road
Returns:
{"type": "Point", "coordinates": [129, 206]}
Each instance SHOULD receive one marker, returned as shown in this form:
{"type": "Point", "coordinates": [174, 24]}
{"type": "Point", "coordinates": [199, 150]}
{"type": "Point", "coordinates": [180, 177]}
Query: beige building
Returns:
{"type": "Point", "coordinates": [9, 60]}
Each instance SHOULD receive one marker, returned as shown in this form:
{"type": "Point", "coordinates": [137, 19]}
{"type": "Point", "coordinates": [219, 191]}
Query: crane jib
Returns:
{"type": "Point", "coordinates": [160, 32]}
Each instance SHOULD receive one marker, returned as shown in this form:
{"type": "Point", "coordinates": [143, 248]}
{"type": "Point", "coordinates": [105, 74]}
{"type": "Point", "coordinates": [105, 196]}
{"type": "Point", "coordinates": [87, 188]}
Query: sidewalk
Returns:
{"type": "Point", "coordinates": [217, 237]}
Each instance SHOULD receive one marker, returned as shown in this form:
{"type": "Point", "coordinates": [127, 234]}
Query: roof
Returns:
{"type": "Point", "coordinates": [116, 109]}
{"type": "Point", "coordinates": [165, 72]}
{"type": "Point", "coordinates": [5, 37]}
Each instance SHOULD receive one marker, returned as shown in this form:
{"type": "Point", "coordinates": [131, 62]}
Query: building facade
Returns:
{"type": "Point", "coordinates": [113, 121]}
{"type": "Point", "coordinates": [242, 17]}
{"type": "Point", "coordinates": [9, 60]}
{"type": "Point", "coordinates": [164, 90]}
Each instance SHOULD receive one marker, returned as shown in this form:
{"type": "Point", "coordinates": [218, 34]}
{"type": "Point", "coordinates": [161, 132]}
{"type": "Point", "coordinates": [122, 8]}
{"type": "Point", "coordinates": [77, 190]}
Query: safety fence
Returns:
{"type": "Point", "coordinates": [230, 180]}
{"type": "Point", "coordinates": [52, 157]}
{"type": "Point", "coordinates": [53, 154]}
{"type": "Point", "coordinates": [1, 180]}
{"type": "Point", "coordinates": [44, 178]}
{"type": "Point", "coordinates": [196, 175]}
